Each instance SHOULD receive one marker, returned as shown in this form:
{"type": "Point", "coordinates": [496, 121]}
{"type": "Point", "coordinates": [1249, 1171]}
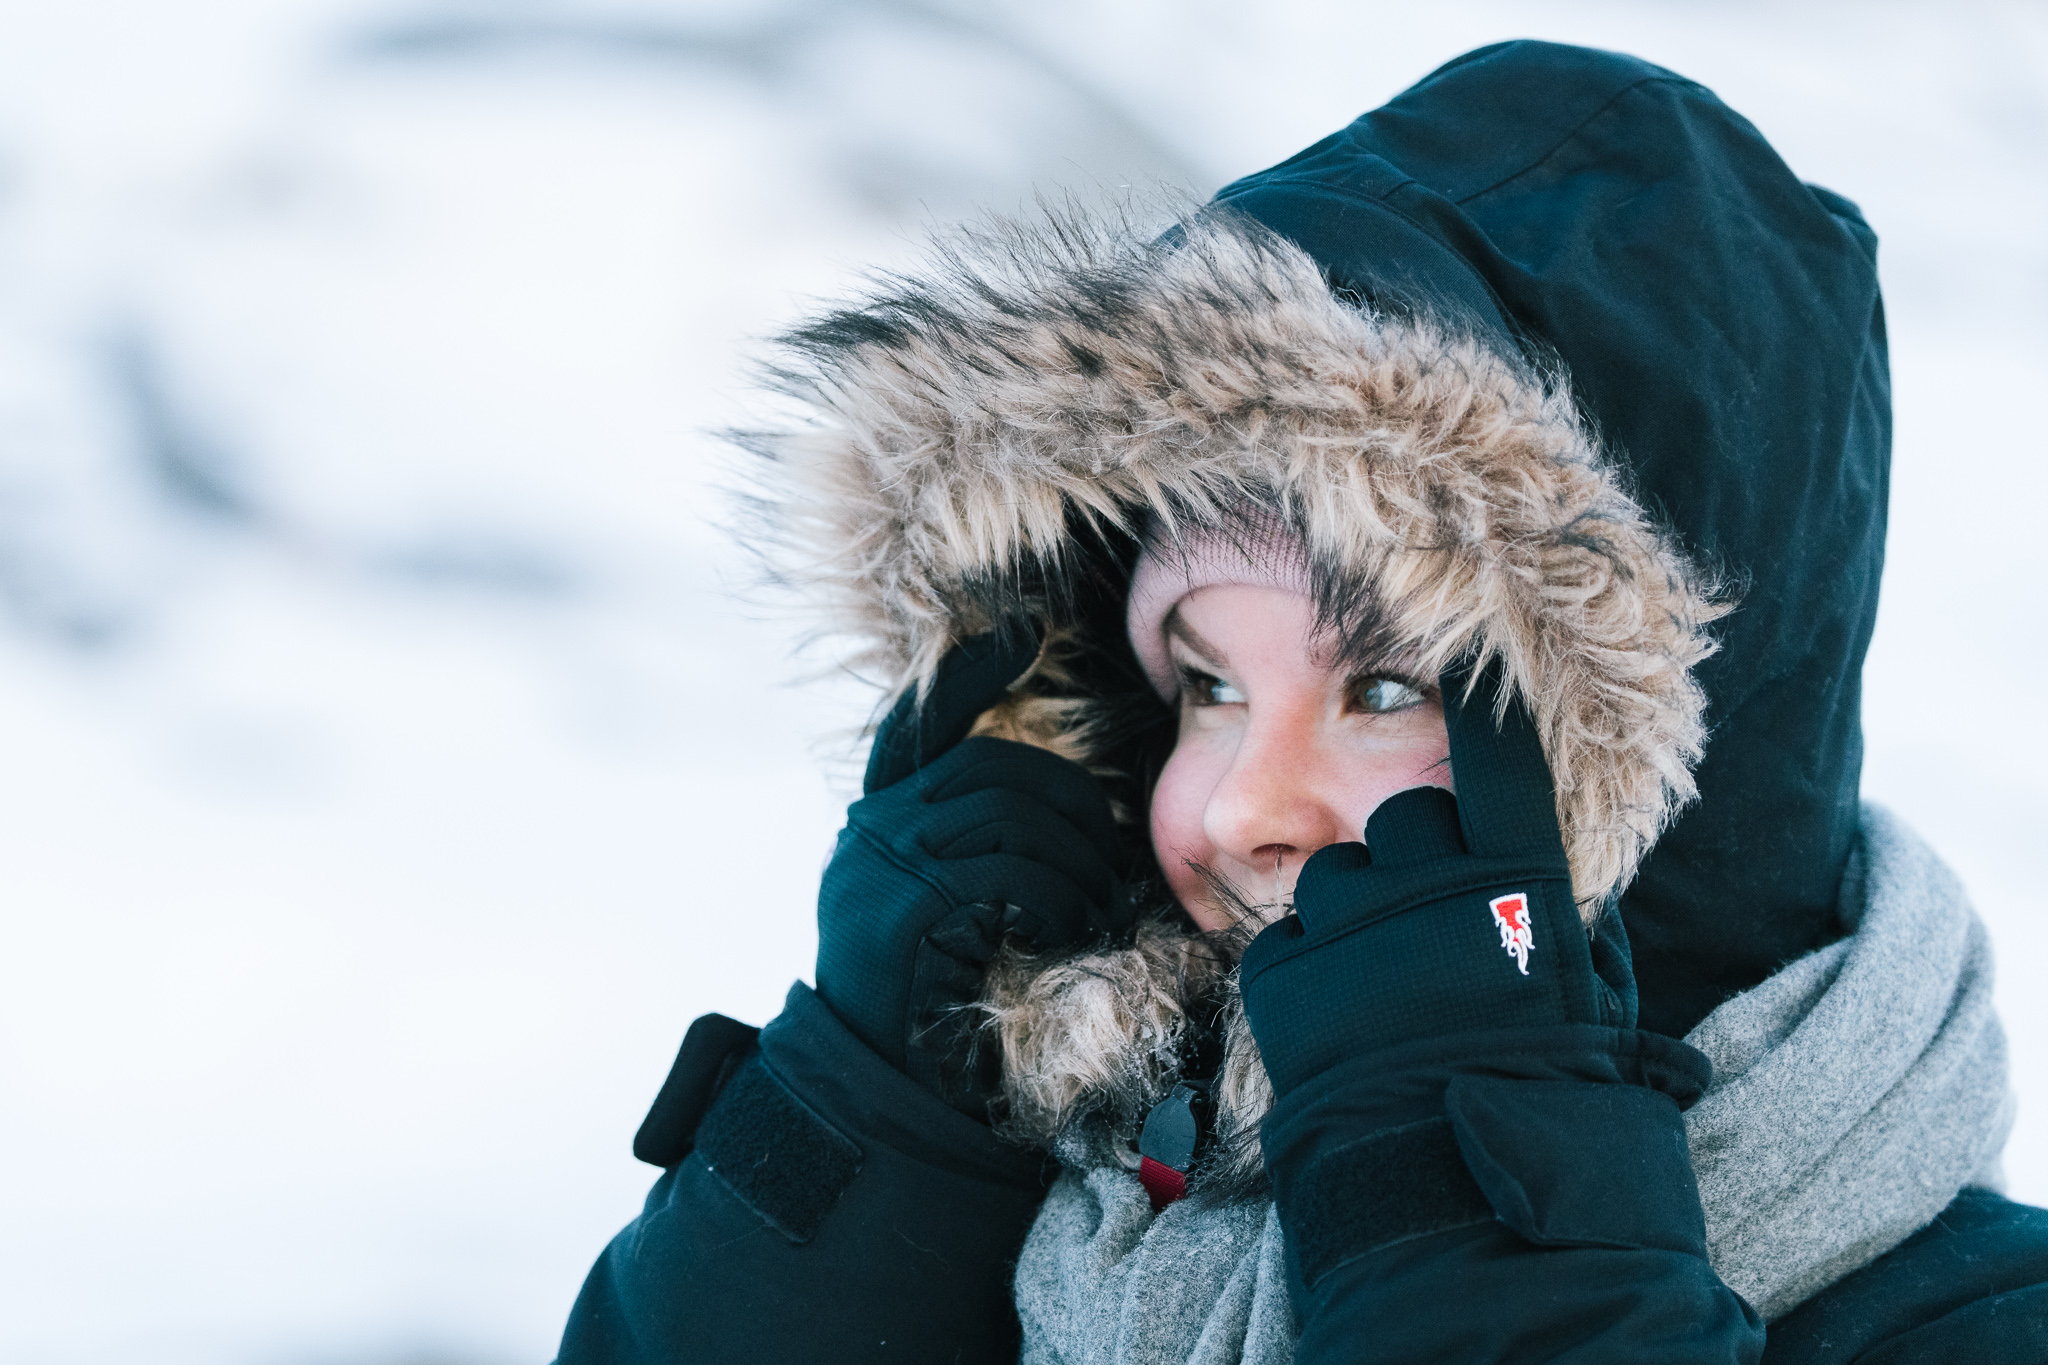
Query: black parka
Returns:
{"type": "Point", "coordinates": [1722, 326]}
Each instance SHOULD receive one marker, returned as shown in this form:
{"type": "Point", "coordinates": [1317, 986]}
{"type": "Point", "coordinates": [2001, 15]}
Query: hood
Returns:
{"type": "Point", "coordinates": [993, 438]}
{"type": "Point", "coordinates": [1515, 356]}
{"type": "Point", "coordinates": [1722, 329]}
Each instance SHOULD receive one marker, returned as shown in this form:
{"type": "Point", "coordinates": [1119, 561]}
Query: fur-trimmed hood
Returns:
{"type": "Point", "coordinates": [1514, 356]}
{"type": "Point", "coordinates": [991, 438]}
{"type": "Point", "coordinates": [992, 432]}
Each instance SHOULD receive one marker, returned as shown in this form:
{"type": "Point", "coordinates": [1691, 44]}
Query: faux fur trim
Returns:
{"type": "Point", "coordinates": [1048, 706]}
{"type": "Point", "coordinates": [1092, 1041]}
{"type": "Point", "coordinates": [1043, 387]}
{"type": "Point", "coordinates": [1101, 1034]}
{"type": "Point", "coordinates": [1071, 374]}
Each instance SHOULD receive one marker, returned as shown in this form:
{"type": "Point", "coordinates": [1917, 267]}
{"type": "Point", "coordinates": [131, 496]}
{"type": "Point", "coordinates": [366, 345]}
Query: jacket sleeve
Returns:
{"type": "Point", "coordinates": [822, 1208]}
{"type": "Point", "coordinates": [1508, 1196]}
{"type": "Point", "coordinates": [1970, 1286]}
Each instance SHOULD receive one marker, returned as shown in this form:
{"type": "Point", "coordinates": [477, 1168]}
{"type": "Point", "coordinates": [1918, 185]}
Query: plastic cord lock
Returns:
{"type": "Point", "coordinates": [1166, 1144]}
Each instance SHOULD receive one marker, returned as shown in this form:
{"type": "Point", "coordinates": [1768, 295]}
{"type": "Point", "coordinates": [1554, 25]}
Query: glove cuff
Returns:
{"type": "Point", "coordinates": [1571, 1136]}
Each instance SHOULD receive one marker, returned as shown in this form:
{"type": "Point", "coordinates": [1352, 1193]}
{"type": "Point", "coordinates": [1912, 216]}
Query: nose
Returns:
{"type": "Point", "coordinates": [1268, 814]}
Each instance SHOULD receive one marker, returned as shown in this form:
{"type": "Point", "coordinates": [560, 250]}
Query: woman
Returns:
{"type": "Point", "coordinates": [1395, 474]}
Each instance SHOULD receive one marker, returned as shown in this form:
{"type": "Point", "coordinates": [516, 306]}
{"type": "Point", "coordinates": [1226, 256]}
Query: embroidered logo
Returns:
{"type": "Point", "coordinates": [1517, 938]}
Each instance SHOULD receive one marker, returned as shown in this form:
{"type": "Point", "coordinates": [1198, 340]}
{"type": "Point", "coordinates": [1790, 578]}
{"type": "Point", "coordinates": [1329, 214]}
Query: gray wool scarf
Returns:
{"type": "Point", "coordinates": [1854, 1094]}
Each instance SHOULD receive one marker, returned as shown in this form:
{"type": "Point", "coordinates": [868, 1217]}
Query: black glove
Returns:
{"type": "Point", "coordinates": [958, 844]}
{"type": "Point", "coordinates": [1463, 1098]}
{"type": "Point", "coordinates": [1456, 913]}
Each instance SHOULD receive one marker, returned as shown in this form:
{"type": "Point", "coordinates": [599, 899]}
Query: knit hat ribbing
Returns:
{"type": "Point", "coordinates": [1252, 549]}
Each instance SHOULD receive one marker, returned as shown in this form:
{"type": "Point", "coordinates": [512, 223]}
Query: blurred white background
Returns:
{"type": "Point", "coordinates": [390, 773]}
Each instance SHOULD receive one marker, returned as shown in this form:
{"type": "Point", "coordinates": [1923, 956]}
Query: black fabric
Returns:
{"type": "Point", "coordinates": [2003, 1327]}
{"type": "Point", "coordinates": [1404, 1182]}
{"type": "Point", "coordinates": [1721, 324]}
{"type": "Point", "coordinates": [1455, 914]}
{"type": "Point", "coordinates": [786, 1163]}
{"type": "Point", "coordinates": [957, 845]}
{"type": "Point", "coordinates": [710, 1050]}
{"type": "Point", "coordinates": [1479, 1294]}
{"type": "Point", "coordinates": [1968, 1289]}
{"type": "Point", "coordinates": [1404, 956]}
{"type": "Point", "coordinates": [1433, 1006]}
{"type": "Point", "coordinates": [922, 727]}
{"type": "Point", "coordinates": [1580, 1297]}
{"type": "Point", "coordinates": [911, 1264]}
{"type": "Point", "coordinates": [995, 840]}
{"type": "Point", "coordinates": [1629, 1182]}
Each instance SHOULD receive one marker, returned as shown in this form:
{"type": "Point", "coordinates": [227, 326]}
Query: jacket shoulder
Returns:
{"type": "Point", "coordinates": [1971, 1285]}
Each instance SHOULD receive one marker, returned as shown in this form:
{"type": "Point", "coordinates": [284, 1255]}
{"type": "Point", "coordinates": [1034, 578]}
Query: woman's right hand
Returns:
{"type": "Point", "coordinates": [958, 844]}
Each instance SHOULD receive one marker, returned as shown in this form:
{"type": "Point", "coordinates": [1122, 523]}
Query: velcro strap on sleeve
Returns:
{"type": "Point", "coordinates": [775, 1153]}
{"type": "Point", "coordinates": [1397, 1184]}
{"type": "Point", "coordinates": [1575, 1163]}
{"type": "Point", "coordinates": [711, 1050]}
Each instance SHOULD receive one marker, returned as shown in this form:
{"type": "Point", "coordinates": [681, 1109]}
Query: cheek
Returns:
{"type": "Point", "coordinates": [1415, 757]}
{"type": "Point", "coordinates": [1178, 802]}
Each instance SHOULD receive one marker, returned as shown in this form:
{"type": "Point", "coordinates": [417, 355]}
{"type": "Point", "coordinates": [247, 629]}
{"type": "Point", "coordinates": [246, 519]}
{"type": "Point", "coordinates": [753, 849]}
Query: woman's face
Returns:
{"type": "Point", "coordinates": [1279, 753]}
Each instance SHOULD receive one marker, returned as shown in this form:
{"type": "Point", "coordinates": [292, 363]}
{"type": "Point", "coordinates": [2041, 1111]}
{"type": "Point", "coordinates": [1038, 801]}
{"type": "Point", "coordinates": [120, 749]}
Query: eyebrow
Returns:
{"type": "Point", "coordinates": [1177, 628]}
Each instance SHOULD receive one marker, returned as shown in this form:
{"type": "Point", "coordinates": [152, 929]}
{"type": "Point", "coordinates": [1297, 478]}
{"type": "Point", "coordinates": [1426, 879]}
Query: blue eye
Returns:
{"type": "Point", "coordinates": [1380, 695]}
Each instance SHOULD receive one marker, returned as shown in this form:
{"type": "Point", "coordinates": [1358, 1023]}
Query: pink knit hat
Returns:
{"type": "Point", "coordinates": [1251, 548]}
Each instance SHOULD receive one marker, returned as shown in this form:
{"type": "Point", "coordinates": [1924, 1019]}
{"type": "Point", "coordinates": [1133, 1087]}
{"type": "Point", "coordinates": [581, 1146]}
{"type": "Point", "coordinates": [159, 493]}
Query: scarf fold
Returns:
{"type": "Point", "coordinates": [1855, 1093]}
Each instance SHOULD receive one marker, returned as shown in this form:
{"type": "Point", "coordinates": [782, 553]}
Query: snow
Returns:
{"type": "Point", "coordinates": [392, 773]}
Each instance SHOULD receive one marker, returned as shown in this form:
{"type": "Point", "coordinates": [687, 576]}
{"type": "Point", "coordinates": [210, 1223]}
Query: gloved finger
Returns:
{"type": "Point", "coordinates": [1275, 938]}
{"type": "Point", "coordinates": [1414, 826]}
{"type": "Point", "coordinates": [972, 933]}
{"type": "Point", "coordinates": [1051, 911]}
{"type": "Point", "coordinates": [1506, 803]}
{"type": "Point", "coordinates": [1012, 823]}
{"type": "Point", "coordinates": [972, 677]}
{"type": "Point", "coordinates": [1058, 784]}
{"type": "Point", "coordinates": [1326, 892]}
{"type": "Point", "coordinates": [971, 876]}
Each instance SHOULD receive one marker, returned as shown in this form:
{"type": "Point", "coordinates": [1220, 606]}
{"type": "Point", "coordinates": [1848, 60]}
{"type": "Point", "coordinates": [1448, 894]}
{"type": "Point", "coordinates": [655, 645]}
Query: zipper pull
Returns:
{"type": "Point", "coordinates": [1166, 1144]}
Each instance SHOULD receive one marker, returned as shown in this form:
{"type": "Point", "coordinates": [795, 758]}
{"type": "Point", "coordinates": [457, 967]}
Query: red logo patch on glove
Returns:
{"type": "Point", "coordinates": [1517, 938]}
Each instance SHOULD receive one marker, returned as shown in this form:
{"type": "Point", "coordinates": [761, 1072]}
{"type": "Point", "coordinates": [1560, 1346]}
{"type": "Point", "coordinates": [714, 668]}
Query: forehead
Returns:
{"type": "Point", "coordinates": [1241, 625]}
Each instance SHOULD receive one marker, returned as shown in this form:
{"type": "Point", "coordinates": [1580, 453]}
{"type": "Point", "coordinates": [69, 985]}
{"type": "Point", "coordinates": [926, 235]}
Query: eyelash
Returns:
{"type": "Point", "coordinates": [1199, 688]}
{"type": "Point", "coordinates": [1417, 694]}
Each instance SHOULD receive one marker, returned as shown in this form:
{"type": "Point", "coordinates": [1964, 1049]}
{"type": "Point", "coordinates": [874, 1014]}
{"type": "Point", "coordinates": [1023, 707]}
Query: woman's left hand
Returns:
{"type": "Point", "coordinates": [1455, 914]}
{"type": "Point", "coordinates": [1463, 1097]}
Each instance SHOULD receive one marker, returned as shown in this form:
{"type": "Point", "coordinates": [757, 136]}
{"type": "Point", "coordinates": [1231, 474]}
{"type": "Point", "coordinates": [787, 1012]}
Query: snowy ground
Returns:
{"type": "Point", "coordinates": [391, 776]}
